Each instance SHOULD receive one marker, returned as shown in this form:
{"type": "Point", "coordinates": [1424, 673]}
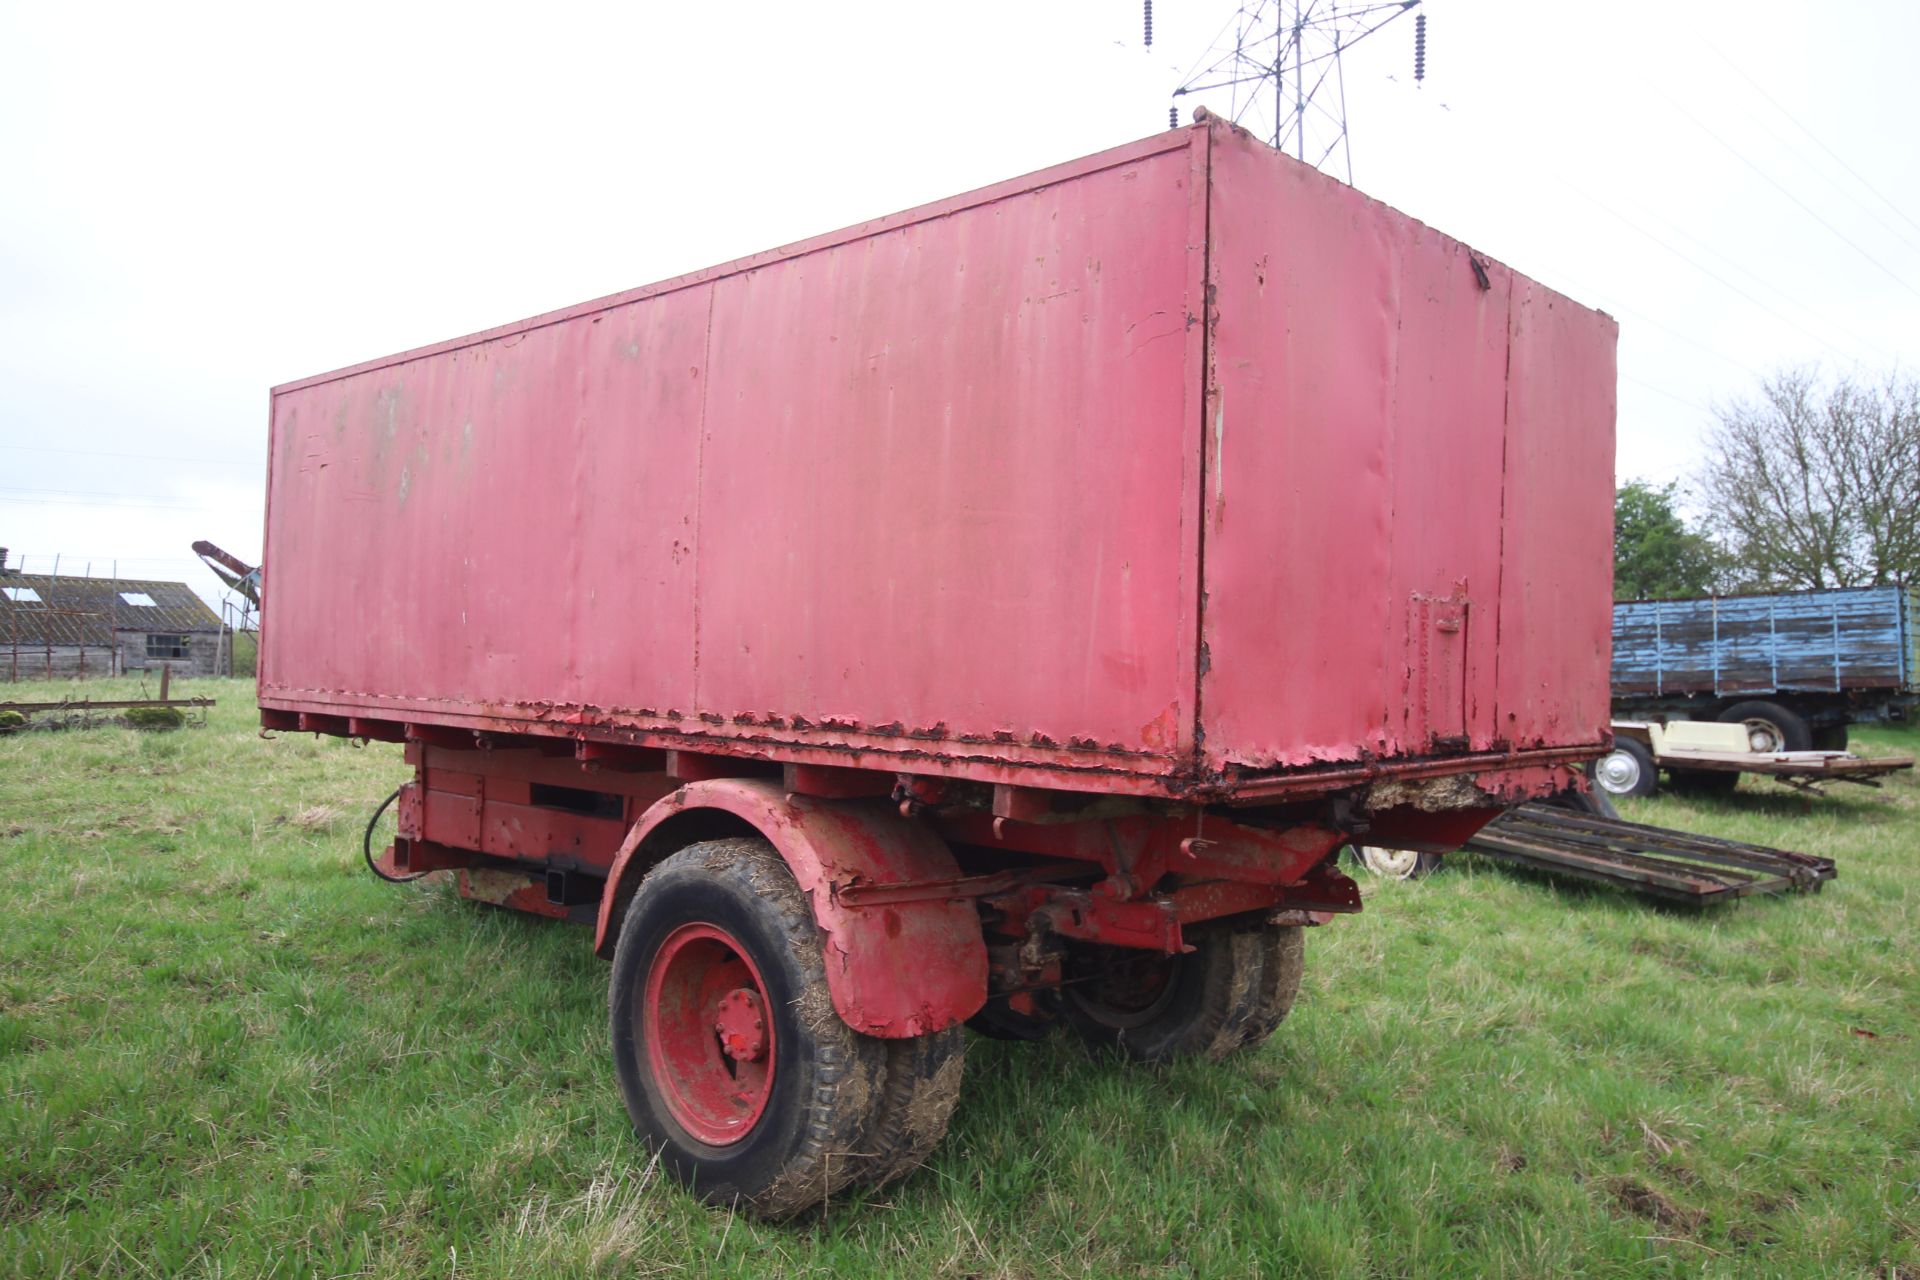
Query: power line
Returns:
{"type": "Point", "coordinates": [90, 493]}
{"type": "Point", "coordinates": [143, 457]}
{"type": "Point", "coordinates": [1824, 176]}
{"type": "Point", "coordinates": [1803, 128]}
{"type": "Point", "coordinates": [1644, 318]}
{"type": "Point", "coordinates": [1707, 271]}
{"type": "Point", "coordinates": [1789, 299]}
{"type": "Point", "coordinates": [1664, 469]}
{"type": "Point", "coordinates": [1642, 382]}
{"type": "Point", "coordinates": [78, 501]}
{"type": "Point", "coordinates": [1194, 70]}
{"type": "Point", "coordinates": [1468, 111]}
{"type": "Point", "coordinates": [1300, 52]}
{"type": "Point", "coordinates": [1783, 190]}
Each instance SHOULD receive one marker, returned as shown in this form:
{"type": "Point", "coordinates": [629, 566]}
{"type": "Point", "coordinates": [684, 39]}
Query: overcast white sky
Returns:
{"type": "Point", "coordinates": [198, 202]}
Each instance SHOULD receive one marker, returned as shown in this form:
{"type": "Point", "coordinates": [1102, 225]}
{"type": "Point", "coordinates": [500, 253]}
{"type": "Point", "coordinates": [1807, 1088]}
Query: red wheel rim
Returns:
{"type": "Point", "coordinates": [708, 1027]}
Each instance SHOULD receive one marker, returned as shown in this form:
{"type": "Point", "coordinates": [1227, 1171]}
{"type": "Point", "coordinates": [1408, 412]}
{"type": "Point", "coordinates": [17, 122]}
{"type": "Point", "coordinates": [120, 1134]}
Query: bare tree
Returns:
{"type": "Point", "coordinates": [1816, 483]}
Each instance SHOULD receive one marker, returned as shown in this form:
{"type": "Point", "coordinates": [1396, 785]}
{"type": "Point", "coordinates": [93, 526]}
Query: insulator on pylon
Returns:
{"type": "Point", "coordinates": [1419, 47]}
{"type": "Point", "coordinates": [1149, 4]}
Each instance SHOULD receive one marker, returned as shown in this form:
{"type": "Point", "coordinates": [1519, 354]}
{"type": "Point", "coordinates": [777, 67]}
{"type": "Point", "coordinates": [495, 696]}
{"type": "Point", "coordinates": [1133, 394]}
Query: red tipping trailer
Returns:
{"type": "Point", "coordinates": [1001, 611]}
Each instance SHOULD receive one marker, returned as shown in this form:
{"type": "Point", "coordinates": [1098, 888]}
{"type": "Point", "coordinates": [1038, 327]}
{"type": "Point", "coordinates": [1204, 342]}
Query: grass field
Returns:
{"type": "Point", "coordinates": [226, 1050]}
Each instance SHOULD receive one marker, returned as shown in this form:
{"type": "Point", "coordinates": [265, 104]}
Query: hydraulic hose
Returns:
{"type": "Point", "coordinates": [366, 843]}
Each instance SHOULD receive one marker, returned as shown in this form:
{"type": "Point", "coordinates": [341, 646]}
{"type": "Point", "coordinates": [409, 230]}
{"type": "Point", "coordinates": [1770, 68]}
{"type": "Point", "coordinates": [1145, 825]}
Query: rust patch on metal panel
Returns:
{"type": "Point", "coordinates": [1430, 795]}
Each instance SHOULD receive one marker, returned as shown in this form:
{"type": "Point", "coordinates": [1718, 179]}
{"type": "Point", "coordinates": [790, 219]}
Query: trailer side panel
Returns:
{"type": "Point", "coordinates": [924, 485]}
{"type": "Point", "coordinates": [968, 434]}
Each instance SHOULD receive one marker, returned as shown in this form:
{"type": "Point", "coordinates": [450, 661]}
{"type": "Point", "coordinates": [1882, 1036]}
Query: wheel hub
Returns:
{"type": "Point", "coordinates": [1617, 772]}
{"type": "Point", "coordinates": [710, 1047]}
{"type": "Point", "coordinates": [1120, 986]}
{"type": "Point", "coordinates": [1394, 864]}
{"type": "Point", "coordinates": [741, 1026]}
{"type": "Point", "coordinates": [1764, 737]}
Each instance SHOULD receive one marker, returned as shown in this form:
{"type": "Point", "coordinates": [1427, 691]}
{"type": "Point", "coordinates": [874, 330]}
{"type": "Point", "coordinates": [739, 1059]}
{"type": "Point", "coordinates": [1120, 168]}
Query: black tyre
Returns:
{"type": "Point", "coordinates": [1627, 770]}
{"type": "Point", "coordinates": [1593, 802]}
{"type": "Point", "coordinates": [1704, 782]}
{"type": "Point", "coordinates": [1832, 737]}
{"type": "Point", "coordinates": [1770, 727]}
{"type": "Point", "coordinates": [997, 1020]}
{"type": "Point", "coordinates": [1395, 864]}
{"type": "Point", "coordinates": [730, 1056]}
{"type": "Point", "coordinates": [920, 1085]}
{"type": "Point", "coordinates": [1231, 991]}
{"type": "Point", "coordinates": [1283, 961]}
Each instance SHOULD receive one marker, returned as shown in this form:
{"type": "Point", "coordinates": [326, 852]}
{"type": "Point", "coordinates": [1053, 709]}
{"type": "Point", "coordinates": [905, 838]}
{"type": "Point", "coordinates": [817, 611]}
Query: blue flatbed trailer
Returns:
{"type": "Point", "coordinates": [1797, 667]}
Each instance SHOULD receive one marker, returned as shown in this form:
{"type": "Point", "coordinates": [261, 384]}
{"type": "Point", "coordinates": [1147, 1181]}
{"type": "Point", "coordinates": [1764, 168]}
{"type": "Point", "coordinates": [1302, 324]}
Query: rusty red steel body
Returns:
{"type": "Point", "coordinates": [1083, 557]}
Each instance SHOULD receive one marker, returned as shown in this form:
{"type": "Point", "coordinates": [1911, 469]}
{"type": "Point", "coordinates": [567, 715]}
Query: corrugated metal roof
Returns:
{"type": "Point", "coordinates": [86, 611]}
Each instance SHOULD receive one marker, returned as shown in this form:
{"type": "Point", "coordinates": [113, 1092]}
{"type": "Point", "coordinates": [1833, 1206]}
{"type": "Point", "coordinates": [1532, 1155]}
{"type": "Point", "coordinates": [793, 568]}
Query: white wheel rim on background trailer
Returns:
{"type": "Point", "coordinates": [1392, 864]}
{"type": "Point", "coordinates": [1618, 772]}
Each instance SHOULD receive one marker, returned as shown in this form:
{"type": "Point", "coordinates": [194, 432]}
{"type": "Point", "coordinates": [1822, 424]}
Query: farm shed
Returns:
{"type": "Point", "coordinates": [54, 627]}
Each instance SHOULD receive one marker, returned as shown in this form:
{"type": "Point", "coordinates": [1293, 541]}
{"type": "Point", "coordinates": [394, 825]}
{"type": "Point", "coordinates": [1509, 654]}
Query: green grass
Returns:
{"type": "Point", "coordinates": [226, 1050]}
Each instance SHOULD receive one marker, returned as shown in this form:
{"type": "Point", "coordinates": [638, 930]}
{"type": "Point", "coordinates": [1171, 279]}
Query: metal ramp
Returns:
{"type": "Point", "coordinates": [1672, 865]}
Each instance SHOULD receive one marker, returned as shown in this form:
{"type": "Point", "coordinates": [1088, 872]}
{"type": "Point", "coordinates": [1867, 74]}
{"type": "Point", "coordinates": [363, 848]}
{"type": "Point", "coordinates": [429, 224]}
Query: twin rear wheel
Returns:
{"type": "Point", "coordinates": [1231, 992]}
{"type": "Point", "coordinates": [736, 1068]}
